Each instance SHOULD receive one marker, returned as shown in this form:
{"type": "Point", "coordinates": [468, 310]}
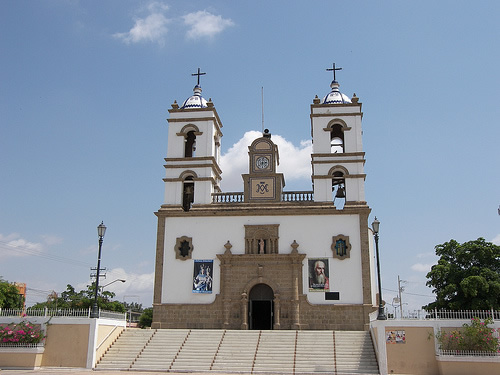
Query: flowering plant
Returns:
{"type": "Point", "coordinates": [22, 333]}
{"type": "Point", "coordinates": [476, 336]}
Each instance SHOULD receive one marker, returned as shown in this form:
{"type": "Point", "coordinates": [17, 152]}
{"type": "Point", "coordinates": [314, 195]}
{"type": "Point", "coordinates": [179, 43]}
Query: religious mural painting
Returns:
{"type": "Point", "coordinates": [319, 275]}
{"type": "Point", "coordinates": [395, 337]}
{"type": "Point", "coordinates": [203, 276]}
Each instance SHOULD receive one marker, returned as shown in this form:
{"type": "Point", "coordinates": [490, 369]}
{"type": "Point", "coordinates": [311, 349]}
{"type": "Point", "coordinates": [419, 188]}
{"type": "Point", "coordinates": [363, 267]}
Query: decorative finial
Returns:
{"type": "Point", "coordinates": [201, 74]}
{"type": "Point", "coordinates": [175, 105]}
{"type": "Point", "coordinates": [228, 247]}
{"type": "Point", "coordinates": [334, 69]}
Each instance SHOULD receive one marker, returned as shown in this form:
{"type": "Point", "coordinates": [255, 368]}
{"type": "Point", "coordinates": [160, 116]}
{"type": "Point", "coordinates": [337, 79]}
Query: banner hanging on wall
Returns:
{"type": "Point", "coordinates": [319, 275]}
{"type": "Point", "coordinates": [202, 276]}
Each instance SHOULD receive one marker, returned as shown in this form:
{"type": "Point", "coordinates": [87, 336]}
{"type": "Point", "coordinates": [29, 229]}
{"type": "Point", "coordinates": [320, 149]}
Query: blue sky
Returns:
{"type": "Point", "coordinates": [86, 87]}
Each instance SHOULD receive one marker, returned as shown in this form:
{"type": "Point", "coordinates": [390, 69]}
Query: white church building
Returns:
{"type": "Point", "coordinates": [265, 257]}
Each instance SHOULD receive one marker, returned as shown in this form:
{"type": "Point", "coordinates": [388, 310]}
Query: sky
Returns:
{"type": "Point", "coordinates": [85, 92]}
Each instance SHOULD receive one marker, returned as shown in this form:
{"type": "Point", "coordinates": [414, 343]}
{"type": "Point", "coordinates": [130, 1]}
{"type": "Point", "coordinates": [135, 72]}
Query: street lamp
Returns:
{"type": "Point", "coordinates": [114, 281]}
{"type": "Point", "coordinates": [381, 314]}
{"type": "Point", "coordinates": [101, 230]}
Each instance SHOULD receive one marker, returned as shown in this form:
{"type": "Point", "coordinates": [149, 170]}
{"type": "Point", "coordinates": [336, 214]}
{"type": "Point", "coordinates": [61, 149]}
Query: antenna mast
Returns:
{"type": "Point", "coordinates": [262, 96]}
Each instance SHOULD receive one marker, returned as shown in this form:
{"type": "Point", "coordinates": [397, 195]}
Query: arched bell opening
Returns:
{"type": "Point", "coordinates": [338, 189]}
{"type": "Point", "coordinates": [187, 193]}
{"type": "Point", "coordinates": [337, 139]}
{"type": "Point", "coordinates": [261, 307]}
{"type": "Point", "coordinates": [190, 144]}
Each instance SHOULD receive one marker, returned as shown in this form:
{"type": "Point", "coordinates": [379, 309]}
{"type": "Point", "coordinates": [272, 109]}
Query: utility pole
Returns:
{"type": "Point", "coordinates": [400, 289]}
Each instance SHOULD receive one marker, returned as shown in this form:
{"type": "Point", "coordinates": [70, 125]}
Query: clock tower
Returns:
{"type": "Point", "coordinates": [262, 183]}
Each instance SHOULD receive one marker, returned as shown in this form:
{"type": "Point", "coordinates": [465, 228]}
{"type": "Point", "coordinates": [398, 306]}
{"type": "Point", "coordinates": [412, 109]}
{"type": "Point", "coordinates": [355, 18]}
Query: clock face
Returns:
{"type": "Point", "coordinates": [262, 162]}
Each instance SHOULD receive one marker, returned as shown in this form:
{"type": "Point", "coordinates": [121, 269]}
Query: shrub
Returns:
{"type": "Point", "coordinates": [476, 336]}
{"type": "Point", "coordinates": [22, 333]}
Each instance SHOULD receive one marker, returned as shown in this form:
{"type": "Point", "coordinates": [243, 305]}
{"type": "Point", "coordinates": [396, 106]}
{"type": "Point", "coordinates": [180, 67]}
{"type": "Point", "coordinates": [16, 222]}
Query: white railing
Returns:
{"type": "Point", "coordinates": [449, 314]}
{"type": "Point", "coordinates": [286, 196]}
{"type": "Point", "coordinates": [68, 313]}
{"type": "Point", "coordinates": [468, 353]}
{"type": "Point", "coordinates": [227, 197]}
{"type": "Point", "coordinates": [297, 196]}
{"type": "Point", "coordinates": [21, 345]}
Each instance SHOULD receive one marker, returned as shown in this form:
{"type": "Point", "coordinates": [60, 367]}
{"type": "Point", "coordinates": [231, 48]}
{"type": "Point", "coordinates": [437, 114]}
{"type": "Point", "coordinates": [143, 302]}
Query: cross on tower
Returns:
{"type": "Point", "coordinates": [200, 74]}
{"type": "Point", "coordinates": [333, 69]}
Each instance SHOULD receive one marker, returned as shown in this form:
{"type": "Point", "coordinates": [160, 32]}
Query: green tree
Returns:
{"type": "Point", "coordinates": [467, 276]}
{"type": "Point", "coordinates": [71, 299]}
{"type": "Point", "coordinates": [146, 318]}
{"type": "Point", "coordinates": [9, 296]}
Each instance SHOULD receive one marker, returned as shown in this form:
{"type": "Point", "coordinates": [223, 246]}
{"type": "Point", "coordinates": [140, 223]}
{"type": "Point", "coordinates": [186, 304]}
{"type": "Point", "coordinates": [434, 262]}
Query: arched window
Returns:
{"type": "Point", "coordinates": [338, 187]}
{"type": "Point", "coordinates": [337, 139]}
{"type": "Point", "coordinates": [190, 144]}
{"type": "Point", "coordinates": [188, 193]}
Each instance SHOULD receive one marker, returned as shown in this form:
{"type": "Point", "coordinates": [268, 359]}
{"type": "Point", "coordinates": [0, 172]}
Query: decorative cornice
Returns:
{"type": "Point", "coordinates": [335, 114]}
{"type": "Point", "coordinates": [329, 177]}
{"type": "Point", "coordinates": [343, 154]}
{"type": "Point", "coordinates": [260, 209]}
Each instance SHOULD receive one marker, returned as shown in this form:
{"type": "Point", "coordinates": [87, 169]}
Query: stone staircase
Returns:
{"type": "Point", "coordinates": [252, 352]}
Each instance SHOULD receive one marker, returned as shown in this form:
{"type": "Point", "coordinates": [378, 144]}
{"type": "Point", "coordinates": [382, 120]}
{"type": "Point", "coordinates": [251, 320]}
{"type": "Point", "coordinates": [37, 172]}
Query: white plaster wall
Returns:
{"type": "Point", "coordinates": [373, 270]}
{"type": "Point", "coordinates": [173, 192]}
{"type": "Point", "coordinates": [352, 138]}
{"type": "Point", "coordinates": [323, 168]}
{"type": "Point", "coordinates": [202, 189]}
{"type": "Point", "coordinates": [202, 192]}
{"type": "Point", "coordinates": [205, 144]}
{"type": "Point", "coordinates": [323, 190]}
{"type": "Point", "coordinates": [313, 234]}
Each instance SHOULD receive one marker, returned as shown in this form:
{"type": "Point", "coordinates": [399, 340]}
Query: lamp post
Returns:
{"type": "Point", "coordinates": [101, 230]}
{"type": "Point", "coordinates": [114, 281]}
{"type": "Point", "coordinates": [381, 314]}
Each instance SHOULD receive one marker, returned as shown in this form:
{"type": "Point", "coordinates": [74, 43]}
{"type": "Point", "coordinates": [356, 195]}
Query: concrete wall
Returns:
{"type": "Point", "coordinates": [70, 342]}
{"type": "Point", "coordinates": [66, 345]}
{"type": "Point", "coordinates": [417, 355]}
{"type": "Point", "coordinates": [21, 358]}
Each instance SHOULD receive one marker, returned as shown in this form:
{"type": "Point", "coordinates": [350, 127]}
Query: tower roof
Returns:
{"type": "Point", "coordinates": [195, 100]}
{"type": "Point", "coordinates": [335, 96]}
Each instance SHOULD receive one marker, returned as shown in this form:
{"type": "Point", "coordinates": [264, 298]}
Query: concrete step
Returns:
{"type": "Point", "coordinates": [299, 352]}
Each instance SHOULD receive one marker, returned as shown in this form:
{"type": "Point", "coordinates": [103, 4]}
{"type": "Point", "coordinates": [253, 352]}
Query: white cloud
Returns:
{"type": "Point", "coordinates": [51, 240]}
{"type": "Point", "coordinates": [152, 28]}
{"type": "Point", "coordinates": [496, 240]}
{"type": "Point", "coordinates": [13, 245]}
{"type": "Point", "coordinates": [426, 255]}
{"type": "Point", "coordinates": [421, 267]}
{"type": "Point", "coordinates": [204, 24]}
{"type": "Point", "coordinates": [136, 288]}
{"type": "Point", "coordinates": [295, 162]}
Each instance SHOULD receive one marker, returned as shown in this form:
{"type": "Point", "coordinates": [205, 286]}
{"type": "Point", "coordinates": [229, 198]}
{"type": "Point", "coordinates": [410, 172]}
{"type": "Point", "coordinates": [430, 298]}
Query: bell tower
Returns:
{"type": "Point", "coordinates": [193, 154]}
{"type": "Point", "coordinates": [262, 183]}
{"type": "Point", "coordinates": [337, 156]}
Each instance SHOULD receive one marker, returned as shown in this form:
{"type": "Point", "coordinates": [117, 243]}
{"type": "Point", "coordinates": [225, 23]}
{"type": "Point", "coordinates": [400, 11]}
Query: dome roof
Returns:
{"type": "Point", "coordinates": [335, 96]}
{"type": "Point", "coordinates": [195, 100]}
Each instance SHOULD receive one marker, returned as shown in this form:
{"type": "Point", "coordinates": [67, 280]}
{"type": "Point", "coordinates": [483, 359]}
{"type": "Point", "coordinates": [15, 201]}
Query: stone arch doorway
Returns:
{"type": "Point", "coordinates": [261, 307]}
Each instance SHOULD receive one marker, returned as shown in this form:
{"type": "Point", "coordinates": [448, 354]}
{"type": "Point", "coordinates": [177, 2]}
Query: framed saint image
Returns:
{"type": "Point", "coordinates": [202, 276]}
{"type": "Point", "coordinates": [319, 275]}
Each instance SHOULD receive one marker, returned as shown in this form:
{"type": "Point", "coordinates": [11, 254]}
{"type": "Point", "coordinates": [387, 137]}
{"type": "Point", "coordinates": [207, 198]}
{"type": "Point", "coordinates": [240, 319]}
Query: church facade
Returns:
{"type": "Point", "coordinates": [264, 258]}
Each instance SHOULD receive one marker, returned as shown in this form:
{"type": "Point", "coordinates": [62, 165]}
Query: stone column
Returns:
{"type": "Point", "coordinates": [295, 300]}
{"type": "Point", "coordinates": [244, 311]}
{"type": "Point", "coordinates": [277, 311]}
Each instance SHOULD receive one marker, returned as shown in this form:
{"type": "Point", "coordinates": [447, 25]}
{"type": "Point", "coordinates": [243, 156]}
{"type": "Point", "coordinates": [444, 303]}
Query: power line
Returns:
{"type": "Point", "coordinates": [25, 250]}
{"type": "Point", "coordinates": [411, 294]}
